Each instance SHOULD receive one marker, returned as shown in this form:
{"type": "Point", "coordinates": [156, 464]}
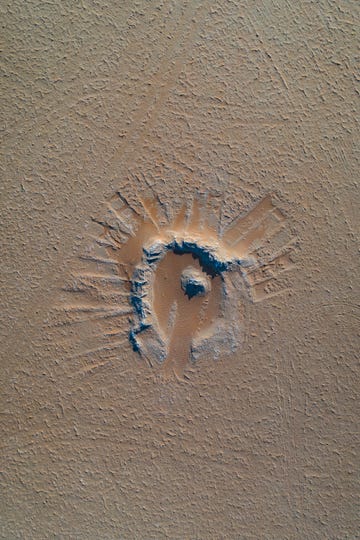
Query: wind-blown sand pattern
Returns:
{"type": "Point", "coordinates": [233, 125]}
{"type": "Point", "coordinates": [182, 283]}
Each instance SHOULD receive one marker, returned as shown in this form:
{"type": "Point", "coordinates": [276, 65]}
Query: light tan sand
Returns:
{"type": "Point", "coordinates": [251, 109]}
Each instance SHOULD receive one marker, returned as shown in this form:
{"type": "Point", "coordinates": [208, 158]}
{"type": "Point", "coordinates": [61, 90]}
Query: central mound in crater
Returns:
{"type": "Point", "coordinates": [194, 282]}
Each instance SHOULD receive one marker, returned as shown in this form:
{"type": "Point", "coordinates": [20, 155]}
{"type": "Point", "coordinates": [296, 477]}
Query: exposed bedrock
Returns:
{"type": "Point", "coordinates": [209, 318]}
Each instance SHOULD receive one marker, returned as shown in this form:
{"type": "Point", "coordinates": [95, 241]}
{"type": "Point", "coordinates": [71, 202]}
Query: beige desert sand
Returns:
{"type": "Point", "coordinates": [223, 134]}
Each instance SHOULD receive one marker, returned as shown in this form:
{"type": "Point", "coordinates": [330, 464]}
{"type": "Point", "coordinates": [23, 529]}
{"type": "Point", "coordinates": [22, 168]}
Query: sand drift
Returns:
{"type": "Point", "coordinates": [182, 283]}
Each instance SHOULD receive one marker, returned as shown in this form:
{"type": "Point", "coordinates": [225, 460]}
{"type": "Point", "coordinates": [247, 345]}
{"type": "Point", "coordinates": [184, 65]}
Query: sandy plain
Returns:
{"type": "Point", "coordinates": [162, 101]}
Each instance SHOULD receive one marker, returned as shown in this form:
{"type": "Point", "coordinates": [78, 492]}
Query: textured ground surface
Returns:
{"type": "Point", "coordinates": [242, 97]}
